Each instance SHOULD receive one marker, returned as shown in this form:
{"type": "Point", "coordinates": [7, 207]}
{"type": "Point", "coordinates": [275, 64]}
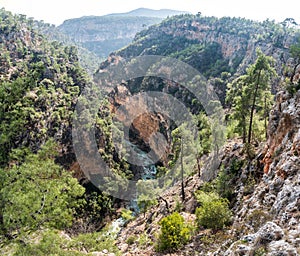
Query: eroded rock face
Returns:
{"type": "Point", "coordinates": [148, 129]}
{"type": "Point", "coordinates": [266, 220]}
{"type": "Point", "coordinates": [277, 196]}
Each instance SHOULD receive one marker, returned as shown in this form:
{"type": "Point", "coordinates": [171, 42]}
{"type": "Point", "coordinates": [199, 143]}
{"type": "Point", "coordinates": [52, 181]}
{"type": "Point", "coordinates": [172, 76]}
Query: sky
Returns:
{"type": "Point", "coordinates": [56, 11]}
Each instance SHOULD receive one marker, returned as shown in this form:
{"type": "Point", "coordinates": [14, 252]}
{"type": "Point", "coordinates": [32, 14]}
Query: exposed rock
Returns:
{"type": "Point", "coordinates": [281, 248]}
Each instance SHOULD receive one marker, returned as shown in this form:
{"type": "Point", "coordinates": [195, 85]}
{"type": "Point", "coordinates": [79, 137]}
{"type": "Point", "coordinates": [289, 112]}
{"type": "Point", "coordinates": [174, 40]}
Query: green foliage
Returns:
{"type": "Point", "coordinates": [97, 241]}
{"type": "Point", "coordinates": [186, 136]}
{"type": "Point", "coordinates": [127, 215]}
{"type": "Point", "coordinates": [37, 92]}
{"type": "Point", "coordinates": [250, 94]}
{"type": "Point", "coordinates": [204, 134]}
{"type": "Point", "coordinates": [92, 211]}
{"type": "Point", "coordinates": [292, 84]}
{"type": "Point", "coordinates": [224, 183]}
{"type": "Point", "coordinates": [147, 194]}
{"type": "Point", "coordinates": [131, 240]}
{"type": "Point", "coordinates": [213, 212]}
{"type": "Point", "coordinates": [144, 241]}
{"type": "Point", "coordinates": [37, 193]}
{"type": "Point", "coordinates": [174, 233]}
{"type": "Point", "coordinates": [261, 251]}
{"type": "Point", "coordinates": [295, 51]}
{"type": "Point", "coordinates": [52, 242]}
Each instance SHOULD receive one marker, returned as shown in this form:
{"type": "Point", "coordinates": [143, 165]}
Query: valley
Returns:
{"type": "Point", "coordinates": [149, 133]}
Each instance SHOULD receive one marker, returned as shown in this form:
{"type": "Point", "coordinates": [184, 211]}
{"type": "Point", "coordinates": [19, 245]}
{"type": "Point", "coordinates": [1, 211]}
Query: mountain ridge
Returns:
{"type": "Point", "coordinates": [147, 12]}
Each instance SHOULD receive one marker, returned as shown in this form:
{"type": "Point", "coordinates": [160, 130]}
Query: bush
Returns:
{"type": "Point", "coordinates": [97, 241]}
{"type": "Point", "coordinates": [50, 244]}
{"type": "Point", "coordinates": [174, 233]}
{"type": "Point", "coordinates": [214, 212]}
{"type": "Point", "coordinates": [38, 193]}
{"type": "Point", "coordinates": [127, 215]}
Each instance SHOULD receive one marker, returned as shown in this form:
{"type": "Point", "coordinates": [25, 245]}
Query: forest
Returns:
{"type": "Point", "coordinates": [183, 204]}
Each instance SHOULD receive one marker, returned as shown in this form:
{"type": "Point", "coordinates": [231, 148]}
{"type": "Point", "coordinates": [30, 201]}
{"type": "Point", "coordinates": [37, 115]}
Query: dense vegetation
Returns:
{"type": "Point", "coordinates": [104, 34]}
{"type": "Point", "coordinates": [40, 82]}
{"type": "Point", "coordinates": [42, 189]}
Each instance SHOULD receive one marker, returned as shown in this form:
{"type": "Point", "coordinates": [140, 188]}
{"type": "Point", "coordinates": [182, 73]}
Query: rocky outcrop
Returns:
{"type": "Point", "coordinates": [266, 212]}
{"type": "Point", "coordinates": [142, 123]}
{"type": "Point", "coordinates": [104, 34]}
{"type": "Point", "coordinates": [277, 196]}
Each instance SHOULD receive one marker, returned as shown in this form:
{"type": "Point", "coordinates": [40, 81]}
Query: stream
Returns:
{"type": "Point", "coordinates": [149, 173]}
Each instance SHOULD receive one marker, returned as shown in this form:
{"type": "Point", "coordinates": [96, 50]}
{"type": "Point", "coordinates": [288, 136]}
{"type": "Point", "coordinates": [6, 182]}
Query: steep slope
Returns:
{"type": "Point", "coordinates": [265, 206]}
{"type": "Point", "coordinates": [40, 82]}
{"type": "Point", "coordinates": [88, 60]}
{"type": "Point", "coordinates": [263, 191]}
{"type": "Point", "coordinates": [196, 39]}
{"type": "Point", "coordinates": [220, 49]}
{"type": "Point", "coordinates": [105, 34]}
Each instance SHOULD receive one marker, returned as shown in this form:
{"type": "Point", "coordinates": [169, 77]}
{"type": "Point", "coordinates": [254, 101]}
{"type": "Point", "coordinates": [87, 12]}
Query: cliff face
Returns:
{"type": "Point", "coordinates": [104, 34]}
{"type": "Point", "coordinates": [266, 209]}
{"type": "Point", "coordinates": [235, 40]}
{"type": "Point", "coordinates": [277, 195]}
{"type": "Point", "coordinates": [220, 49]}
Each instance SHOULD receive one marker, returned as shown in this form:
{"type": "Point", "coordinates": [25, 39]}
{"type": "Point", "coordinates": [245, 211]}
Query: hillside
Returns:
{"type": "Point", "coordinates": [265, 205]}
{"type": "Point", "coordinates": [260, 185]}
{"type": "Point", "coordinates": [40, 81]}
{"type": "Point", "coordinates": [88, 60]}
{"type": "Point", "coordinates": [105, 34]}
{"type": "Point", "coordinates": [187, 180]}
{"type": "Point", "coordinates": [219, 49]}
{"type": "Point", "coordinates": [145, 12]}
{"type": "Point", "coordinates": [204, 42]}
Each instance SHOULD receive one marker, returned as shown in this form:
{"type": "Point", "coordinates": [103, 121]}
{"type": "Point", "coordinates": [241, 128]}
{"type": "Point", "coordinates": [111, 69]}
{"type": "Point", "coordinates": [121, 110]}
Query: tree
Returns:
{"type": "Point", "coordinates": [289, 22]}
{"type": "Point", "coordinates": [295, 52]}
{"type": "Point", "coordinates": [148, 192]}
{"type": "Point", "coordinates": [236, 97]}
{"type": "Point", "coordinates": [184, 148]}
{"type": "Point", "coordinates": [250, 94]}
{"type": "Point", "coordinates": [37, 193]}
{"type": "Point", "coordinates": [205, 138]}
{"type": "Point", "coordinates": [214, 211]}
{"type": "Point", "coordinates": [174, 233]}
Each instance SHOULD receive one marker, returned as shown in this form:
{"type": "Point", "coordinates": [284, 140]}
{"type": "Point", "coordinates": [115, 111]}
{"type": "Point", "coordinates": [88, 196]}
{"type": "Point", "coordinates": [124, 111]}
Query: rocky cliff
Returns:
{"type": "Point", "coordinates": [220, 49]}
{"type": "Point", "coordinates": [104, 34]}
{"type": "Point", "coordinates": [266, 191]}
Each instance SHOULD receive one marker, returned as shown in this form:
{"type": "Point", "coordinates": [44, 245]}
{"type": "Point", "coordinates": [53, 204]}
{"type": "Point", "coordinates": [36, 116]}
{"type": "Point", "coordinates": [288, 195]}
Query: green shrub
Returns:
{"type": "Point", "coordinates": [174, 233]}
{"type": "Point", "coordinates": [127, 215]}
{"type": "Point", "coordinates": [131, 240]}
{"type": "Point", "coordinates": [144, 241]}
{"type": "Point", "coordinates": [97, 241]}
{"type": "Point", "coordinates": [50, 244]}
{"type": "Point", "coordinates": [214, 212]}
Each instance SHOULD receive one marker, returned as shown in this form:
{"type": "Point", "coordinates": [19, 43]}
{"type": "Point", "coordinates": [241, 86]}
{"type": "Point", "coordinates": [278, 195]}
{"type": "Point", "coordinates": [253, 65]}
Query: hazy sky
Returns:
{"type": "Point", "coordinates": [56, 11]}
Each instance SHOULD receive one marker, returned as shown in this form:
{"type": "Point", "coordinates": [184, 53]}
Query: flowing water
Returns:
{"type": "Point", "coordinates": [149, 172]}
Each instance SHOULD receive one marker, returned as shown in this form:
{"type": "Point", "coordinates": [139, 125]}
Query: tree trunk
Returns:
{"type": "Point", "coordinates": [181, 162]}
{"type": "Point", "coordinates": [253, 107]}
{"type": "Point", "coordinates": [266, 115]}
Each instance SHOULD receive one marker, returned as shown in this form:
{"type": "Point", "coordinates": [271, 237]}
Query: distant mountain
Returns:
{"type": "Point", "coordinates": [145, 12]}
{"type": "Point", "coordinates": [105, 34]}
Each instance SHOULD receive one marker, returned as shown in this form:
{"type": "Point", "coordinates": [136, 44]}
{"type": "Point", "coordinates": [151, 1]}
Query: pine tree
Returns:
{"type": "Point", "coordinates": [250, 94]}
